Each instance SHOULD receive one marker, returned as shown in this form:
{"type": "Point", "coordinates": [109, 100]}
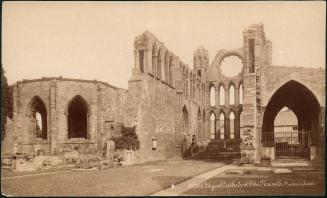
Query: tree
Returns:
{"type": "Point", "coordinates": [6, 103]}
{"type": "Point", "coordinates": [128, 139]}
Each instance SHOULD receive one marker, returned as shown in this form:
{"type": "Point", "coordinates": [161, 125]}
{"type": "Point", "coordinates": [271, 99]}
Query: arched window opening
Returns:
{"type": "Point", "coordinates": [159, 62]}
{"type": "Point", "coordinates": [39, 118]}
{"type": "Point", "coordinates": [212, 96]}
{"type": "Point", "coordinates": [231, 66]}
{"type": "Point", "coordinates": [212, 126]}
{"type": "Point", "coordinates": [222, 126]}
{"type": "Point", "coordinates": [231, 95]}
{"type": "Point", "coordinates": [77, 118]}
{"type": "Point", "coordinates": [171, 69]}
{"type": "Point", "coordinates": [232, 125]}
{"type": "Point", "coordinates": [221, 95]}
{"type": "Point", "coordinates": [241, 95]}
{"type": "Point", "coordinates": [154, 60]}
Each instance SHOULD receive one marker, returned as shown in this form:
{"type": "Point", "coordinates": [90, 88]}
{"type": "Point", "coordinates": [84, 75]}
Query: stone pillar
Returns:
{"type": "Point", "coordinates": [53, 132]}
{"type": "Point", "coordinates": [216, 96]}
{"type": "Point", "coordinates": [110, 148]}
{"type": "Point", "coordinates": [226, 96]}
{"type": "Point", "coordinates": [253, 39]}
{"type": "Point", "coordinates": [17, 121]}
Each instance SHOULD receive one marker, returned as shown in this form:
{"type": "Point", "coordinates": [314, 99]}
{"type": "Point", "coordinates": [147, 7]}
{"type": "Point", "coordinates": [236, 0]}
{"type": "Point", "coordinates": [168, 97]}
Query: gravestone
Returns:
{"type": "Point", "coordinates": [110, 149]}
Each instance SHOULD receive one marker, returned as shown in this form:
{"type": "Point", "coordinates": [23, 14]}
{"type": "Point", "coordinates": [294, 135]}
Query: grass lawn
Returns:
{"type": "Point", "coordinates": [262, 183]}
{"type": "Point", "coordinates": [133, 180]}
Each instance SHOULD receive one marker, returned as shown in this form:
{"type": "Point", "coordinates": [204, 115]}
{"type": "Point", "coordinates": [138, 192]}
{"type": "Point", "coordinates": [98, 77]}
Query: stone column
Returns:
{"type": "Point", "coordinates": [17, 121]}
{"type": "Point", "coordinates": [217, 101]}
{"type": "Point", "coordinates": [53, 132]}
{"type": "Point", "coordinates": [237, 96]}
{"type": "Point", "coordinates": [100, 122]}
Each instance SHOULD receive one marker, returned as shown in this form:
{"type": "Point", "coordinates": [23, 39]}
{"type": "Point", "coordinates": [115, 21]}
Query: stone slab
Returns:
{"type": "Point", "coordinates": [282, 170]}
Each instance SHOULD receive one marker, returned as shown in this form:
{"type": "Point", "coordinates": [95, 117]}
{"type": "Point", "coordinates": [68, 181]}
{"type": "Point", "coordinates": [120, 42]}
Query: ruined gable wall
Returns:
{"type": "Point", "coordinates": [275, 76]}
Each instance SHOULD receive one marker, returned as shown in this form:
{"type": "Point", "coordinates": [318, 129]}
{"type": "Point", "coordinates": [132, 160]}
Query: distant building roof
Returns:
{"type": "Point", "coordinates": [285, 118]}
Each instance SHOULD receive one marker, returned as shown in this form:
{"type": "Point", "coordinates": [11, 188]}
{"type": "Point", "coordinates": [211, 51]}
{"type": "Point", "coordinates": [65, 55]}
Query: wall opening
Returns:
{"type": "Point", "coordinates": [232, 125]}
{"type": "Point", "coordinates": [77, 118]}
{"type": "Point", "coordinates": [38, 118]}
{"type": "Point", "coordinates": [222, 126]}
{"type": "Point", "coordinates": [185, 120]}
{"type": "Point", "coordinates": [221, 95]}
{"type": "Point", "coordinates": [231, 93]}
{"type": "Point", "coordinates": [212, 96]}
{"type": "Point", "coordinates": [231, 66]}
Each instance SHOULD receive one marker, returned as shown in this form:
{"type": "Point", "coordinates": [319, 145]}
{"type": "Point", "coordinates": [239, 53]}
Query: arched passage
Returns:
{"type": "Point", "coordinates": [38, 118]}
{"type": "Point", "coordinates": [78, 118]}
{"type": "Point", "coordinates": [222, 126]}
{"type": "Point", "coordinates": [305, 106]}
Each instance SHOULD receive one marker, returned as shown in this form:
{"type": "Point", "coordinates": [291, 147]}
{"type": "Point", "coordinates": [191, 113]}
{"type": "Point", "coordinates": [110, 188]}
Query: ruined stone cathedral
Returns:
{"type": "Point", "coordinates": [174, 107]}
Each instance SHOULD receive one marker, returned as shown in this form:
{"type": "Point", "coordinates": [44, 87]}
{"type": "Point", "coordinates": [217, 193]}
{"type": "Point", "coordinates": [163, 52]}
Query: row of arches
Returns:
{"type": "Point", "coordinates": [224, 128]}
{"type": "Point", "coordinates": [235, 96]}
{"type": "Point", "coordinates": [219, 127]}
{"type": "Point", "coordinates": [162, 64]}
{"type": "Point", "coordinates": [77, 112]}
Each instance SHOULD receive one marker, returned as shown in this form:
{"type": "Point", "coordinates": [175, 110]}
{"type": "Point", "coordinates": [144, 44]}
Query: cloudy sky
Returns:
{"type": "Point", "coordinates": [95, 40]}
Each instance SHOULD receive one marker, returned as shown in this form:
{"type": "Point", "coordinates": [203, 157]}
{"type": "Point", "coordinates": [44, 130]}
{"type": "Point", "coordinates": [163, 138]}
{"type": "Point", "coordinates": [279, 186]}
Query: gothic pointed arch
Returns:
{"type": "Point", "coordinates": [37, 113]}
{"type": "Point", "coordinates": [78, 112]}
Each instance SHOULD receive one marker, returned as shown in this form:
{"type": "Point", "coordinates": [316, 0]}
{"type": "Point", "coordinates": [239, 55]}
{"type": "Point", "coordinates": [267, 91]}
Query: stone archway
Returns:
{"type": "Point", "coordinates": [305, 105]}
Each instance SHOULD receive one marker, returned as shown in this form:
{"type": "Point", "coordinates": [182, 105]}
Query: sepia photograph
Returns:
{"type": "Point", "coordinates": [178, 98]}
